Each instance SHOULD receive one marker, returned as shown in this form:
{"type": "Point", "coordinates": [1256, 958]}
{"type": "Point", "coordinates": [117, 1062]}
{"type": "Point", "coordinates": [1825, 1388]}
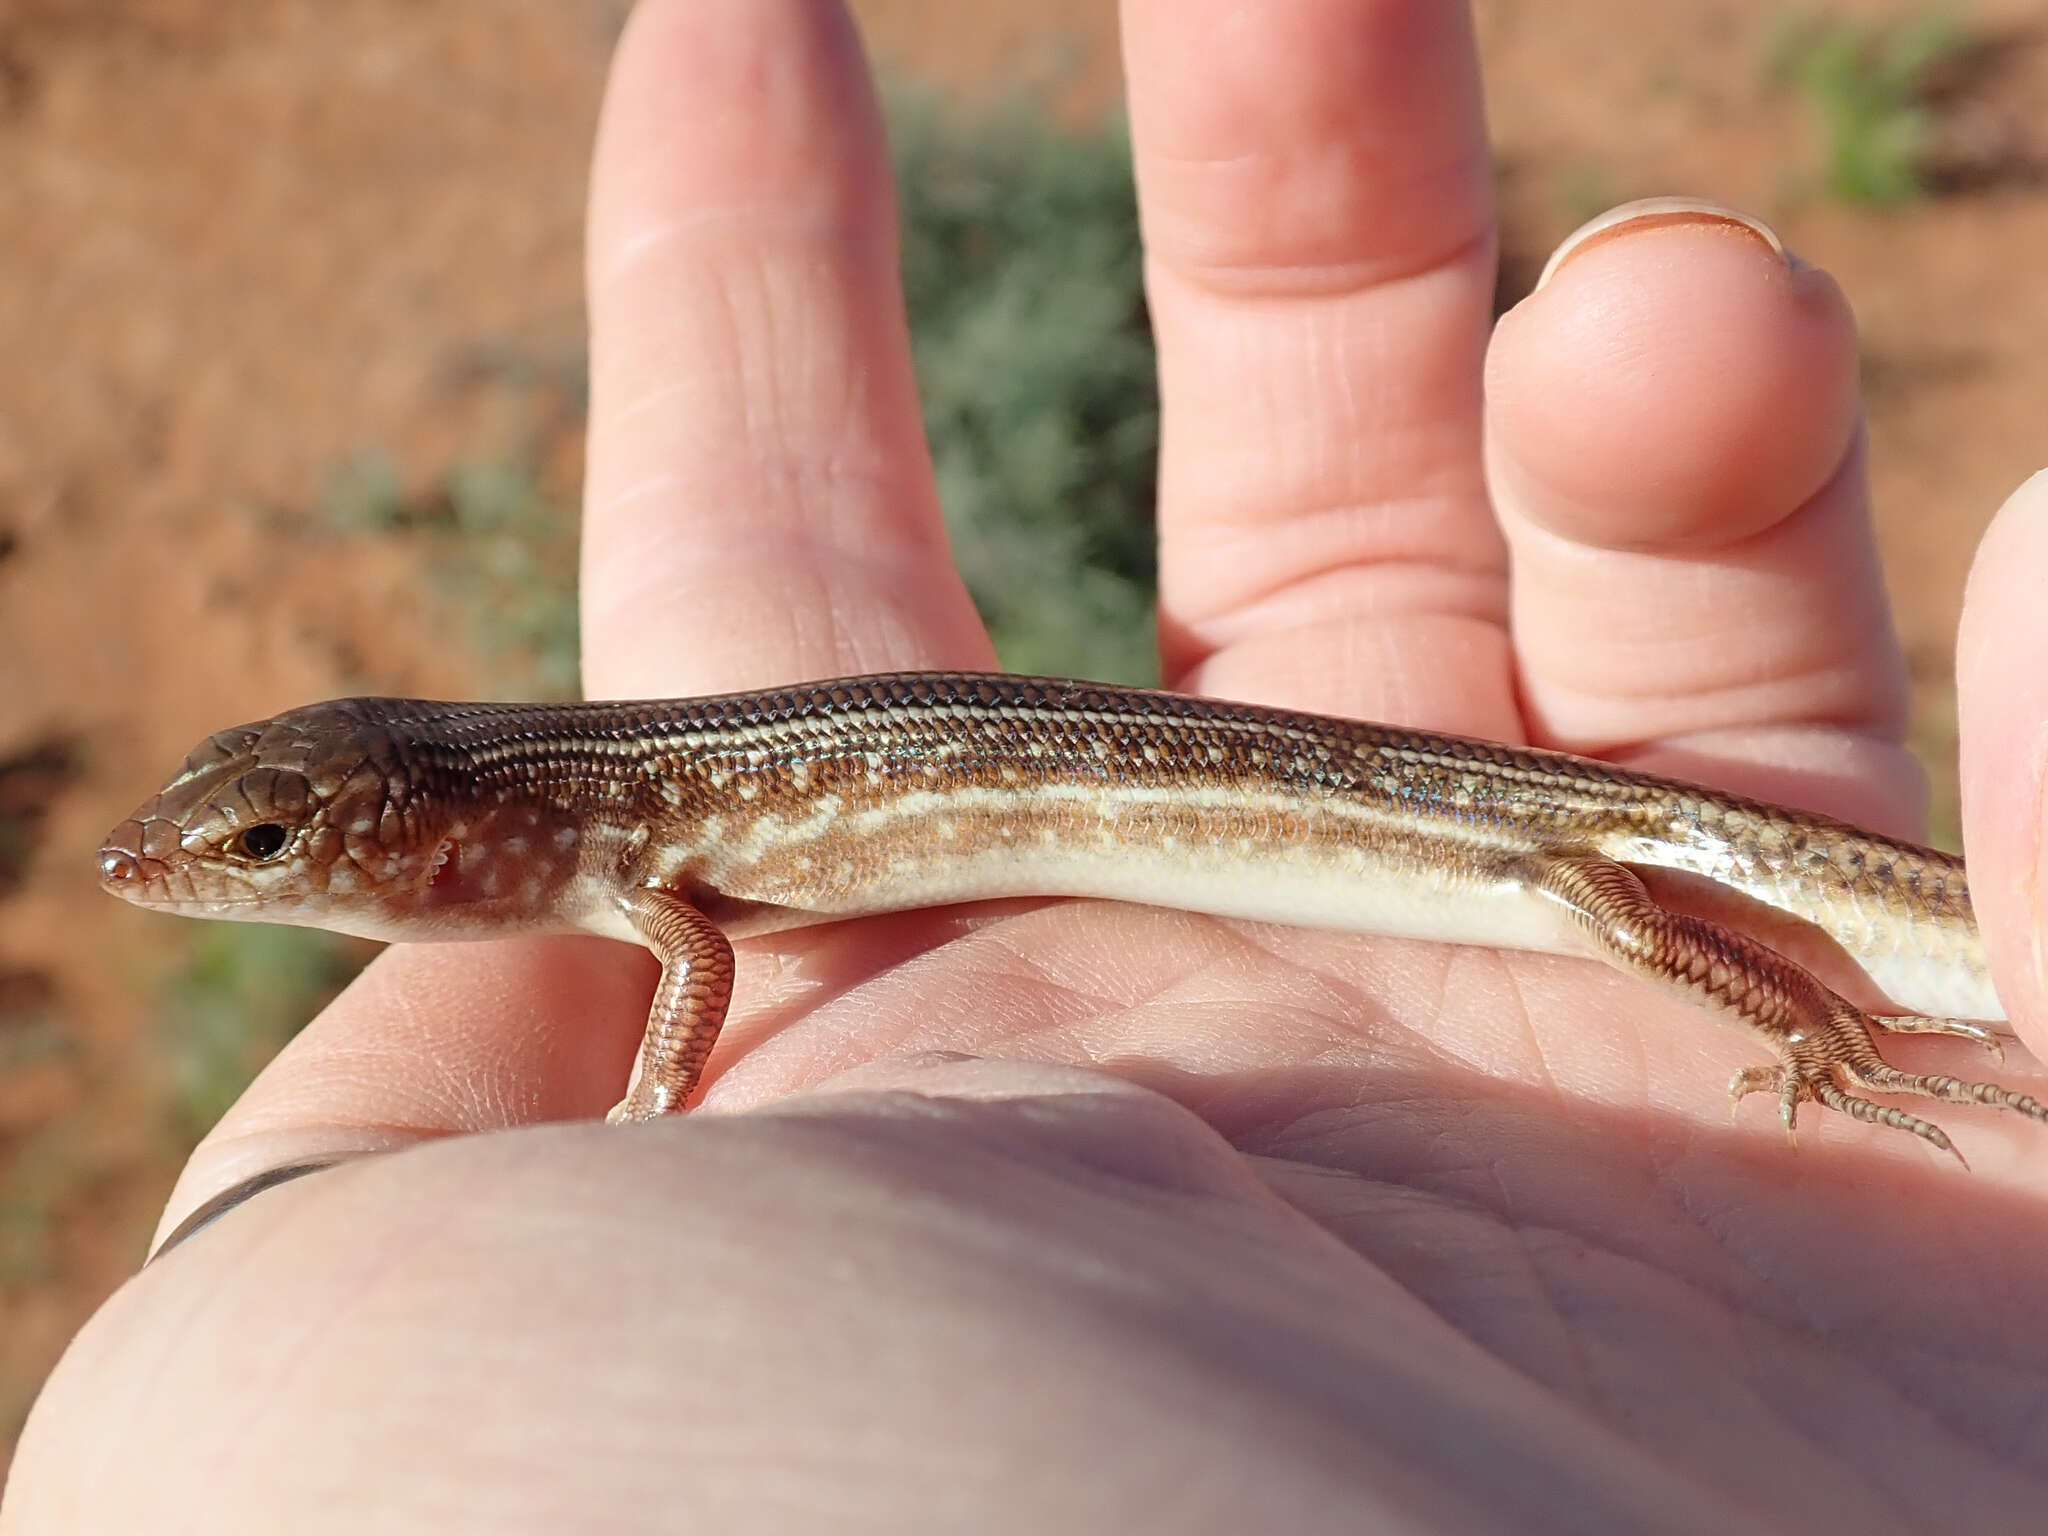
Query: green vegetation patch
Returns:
{"type": "Point", "coordinates": [1024, 285]}
{"type": "Point", "coordinates": [243, 991]}
{"type": "Point", "coordinates": [1873, 86]}
{"type": "Point", "coordinates": [500, 549]}
{"type": "Point", "coordinates": [1024, 279]}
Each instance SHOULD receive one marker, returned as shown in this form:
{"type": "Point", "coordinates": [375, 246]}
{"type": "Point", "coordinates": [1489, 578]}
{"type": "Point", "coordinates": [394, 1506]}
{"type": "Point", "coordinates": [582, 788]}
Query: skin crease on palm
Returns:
{"type": "Point", "coordinates": [1070, 1216]}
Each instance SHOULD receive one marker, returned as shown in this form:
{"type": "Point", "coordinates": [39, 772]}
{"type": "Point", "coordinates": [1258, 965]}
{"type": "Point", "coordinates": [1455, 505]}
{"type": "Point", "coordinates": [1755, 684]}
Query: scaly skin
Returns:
{"type": "Point", "coordinates": [675, 823]}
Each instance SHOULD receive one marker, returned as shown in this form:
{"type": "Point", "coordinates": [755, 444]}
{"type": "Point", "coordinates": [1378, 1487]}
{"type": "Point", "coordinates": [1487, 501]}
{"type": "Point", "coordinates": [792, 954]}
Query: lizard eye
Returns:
{"type": "Point", "coordinates": [262, 842]}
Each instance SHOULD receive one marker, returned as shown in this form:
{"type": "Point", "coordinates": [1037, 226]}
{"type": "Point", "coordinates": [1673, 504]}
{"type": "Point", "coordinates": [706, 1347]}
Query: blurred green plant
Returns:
{"type": "Point", "coordinates": [1023, 282]}
{"type": "Point", "coordinates": [1871, 84]}
{"type": "Point", "coordinates": [47, 1170]}
{"type": "Point", "coordinates": [33, 1029]}
{"type": "Point", "coordinates": [500, 548]}
{"type": "Point", "coordinates": [41, 1169]}
{"type": "Point", "coordinates": [242, 991]}
{"type": "Point", "coordinates": [1023, 277]}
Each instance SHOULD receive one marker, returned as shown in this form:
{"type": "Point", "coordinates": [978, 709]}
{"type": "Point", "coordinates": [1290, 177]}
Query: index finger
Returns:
{"type": "Point", "coordinates": [760, 506]}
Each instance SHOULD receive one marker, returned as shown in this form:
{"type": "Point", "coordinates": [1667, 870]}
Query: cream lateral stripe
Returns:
{"type": "Point", "coordinates": [914, 805]}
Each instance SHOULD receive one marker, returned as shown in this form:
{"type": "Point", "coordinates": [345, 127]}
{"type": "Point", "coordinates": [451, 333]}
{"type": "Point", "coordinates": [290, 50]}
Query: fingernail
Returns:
{"type": "Point", "coordinates": [1657, 213]}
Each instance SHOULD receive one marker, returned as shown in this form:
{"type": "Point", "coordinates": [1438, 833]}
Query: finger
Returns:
{"type": "Point", "coordinates": [1675, 451]}
{"type": "Point", "coordinates": [435, 1040]}
{"type": "Point", "coordinates": [759, 504]}
{"type": "Point", "coordinates": [1315, 190]}
{"type": "Point", "coordinates": [2002, 700]}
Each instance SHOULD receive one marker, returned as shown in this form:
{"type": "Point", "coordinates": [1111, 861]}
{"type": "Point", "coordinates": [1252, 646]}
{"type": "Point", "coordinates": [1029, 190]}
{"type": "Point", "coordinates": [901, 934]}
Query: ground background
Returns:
{"type": "Point", "coordinates": [271, 269]}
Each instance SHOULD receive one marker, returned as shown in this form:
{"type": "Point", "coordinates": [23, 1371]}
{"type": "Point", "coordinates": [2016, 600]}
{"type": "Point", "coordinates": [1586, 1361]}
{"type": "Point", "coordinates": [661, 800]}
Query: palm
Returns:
{"type": "Point", "coordinates": [1535, 1151]}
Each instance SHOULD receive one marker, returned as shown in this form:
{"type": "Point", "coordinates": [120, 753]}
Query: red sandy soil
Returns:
{"type": "Point", "coordinates": [242, 240]}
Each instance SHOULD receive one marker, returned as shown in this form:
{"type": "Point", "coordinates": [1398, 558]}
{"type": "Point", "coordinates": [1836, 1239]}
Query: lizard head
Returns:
{"type": "Point", "coordinates": [318, 817]}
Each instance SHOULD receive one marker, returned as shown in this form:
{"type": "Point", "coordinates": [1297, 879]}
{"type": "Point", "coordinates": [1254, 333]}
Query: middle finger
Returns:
{"type": "Point", "coordinates": [1315, 188]}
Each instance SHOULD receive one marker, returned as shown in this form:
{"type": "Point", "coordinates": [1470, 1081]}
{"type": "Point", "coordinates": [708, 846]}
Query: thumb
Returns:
{"type": "Point", "coordinates": [2002, 699]}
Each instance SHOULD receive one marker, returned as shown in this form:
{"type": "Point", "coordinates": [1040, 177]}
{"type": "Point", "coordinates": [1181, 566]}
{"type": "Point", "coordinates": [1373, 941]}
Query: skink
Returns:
{"type": "Point", "coordinates": [679, 823]}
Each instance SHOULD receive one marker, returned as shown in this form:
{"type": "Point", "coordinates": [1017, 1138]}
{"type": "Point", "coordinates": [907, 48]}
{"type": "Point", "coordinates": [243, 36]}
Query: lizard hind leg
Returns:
{"type": "Point", "coordinates": [1921, 1024]}
{"type": "Point", "coordinates": [1825, 1064]}
{"type": "Point", "coordinates": [1825, 1045]}
{"type": "Point", "coordinates": [1786, 1085]}
{"type": "Point", "coordinates": [1815, 1074]}
{"type": "Point", "coordinates": [1886, 1078]}
{"type": "Point", "coordinates": [1864, 1067]}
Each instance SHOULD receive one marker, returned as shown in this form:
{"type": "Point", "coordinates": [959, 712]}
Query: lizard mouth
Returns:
{"type": "Point", "coordinates": [151, 883]}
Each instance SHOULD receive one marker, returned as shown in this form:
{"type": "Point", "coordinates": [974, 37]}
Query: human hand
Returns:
{"type": "Point", "coordinates": [1348, 1225]}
